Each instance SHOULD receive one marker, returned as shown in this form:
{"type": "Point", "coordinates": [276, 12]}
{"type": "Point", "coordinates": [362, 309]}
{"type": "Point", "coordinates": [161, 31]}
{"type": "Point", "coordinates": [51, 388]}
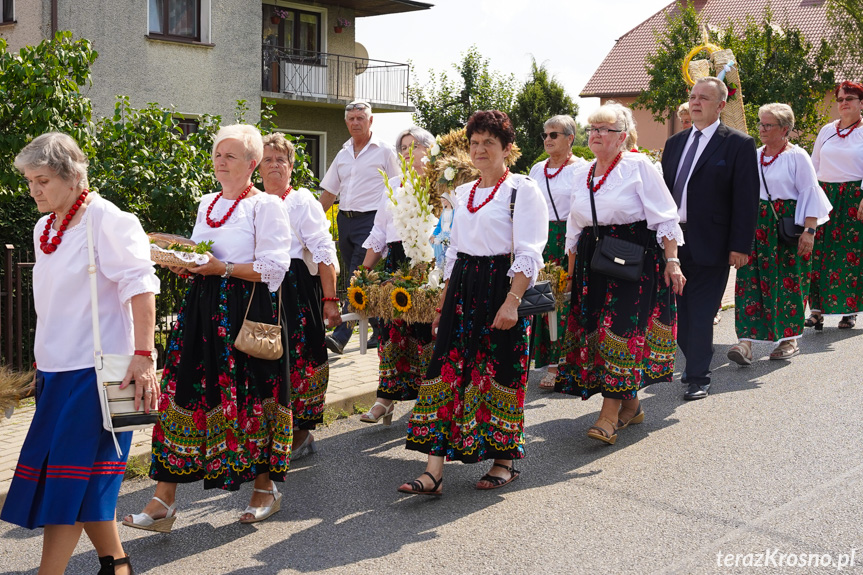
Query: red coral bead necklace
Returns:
{"type": "Point", "coordinates": [559, 170]}
{"type": "Point", "coordinates": [850, 128]}
{"type": "Point", "coordinates": [764, 149]}
{"type": "Point", "coordinates": [604, 176]}
{"type": "Point", "coordinates": [215, 224]}
{"type": "Point", "coordinates": [288, 191]}
{"type": "Point", "coordinates": [474, 209]}
{"type": "Point", "coordinates": [49, 247]}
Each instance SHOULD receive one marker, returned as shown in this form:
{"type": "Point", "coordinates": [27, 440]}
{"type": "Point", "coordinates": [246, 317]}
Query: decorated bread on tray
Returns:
{"type": "Point", "coordinates": [174, 250]}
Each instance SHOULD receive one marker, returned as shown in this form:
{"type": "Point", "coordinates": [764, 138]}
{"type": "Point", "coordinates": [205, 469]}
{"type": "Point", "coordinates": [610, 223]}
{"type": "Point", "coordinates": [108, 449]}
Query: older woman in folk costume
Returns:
{"type": "Point", "coordinates": [404, 350]}
{"type": "Point", "coordinates": [226, 416]}
{"type": "Point", "coordinates": [309, 301]}
{"type": "Point", "coordinates": [621, 334]}
{"type": "Point", "coordinates": [771, 291]}
{"type": "Point", "coordinates": [555, 178]}
{"type": "Point", "coordinates": [837, 283]}
{"type": "Point", "coordinates": [471, 406]}
{"type": "Point", "coordinates": [69, 472]}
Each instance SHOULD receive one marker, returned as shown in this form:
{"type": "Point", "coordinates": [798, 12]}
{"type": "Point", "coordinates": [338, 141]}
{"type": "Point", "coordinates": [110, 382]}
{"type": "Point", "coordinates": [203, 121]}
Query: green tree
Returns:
{"type": "Point", "coordinates": [540, 98]}
{"type": "Point", "coordinates": [845, 18]}
{"type": "Point", "coordinates": [445, 104]}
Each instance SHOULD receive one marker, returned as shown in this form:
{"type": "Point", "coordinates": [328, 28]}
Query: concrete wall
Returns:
{"type": "Point", "coordinates": [195, 79]}
{"type": "Point", "coordinates": [31, 26]}
{"type": "Point", "coordinates": [651, 134]}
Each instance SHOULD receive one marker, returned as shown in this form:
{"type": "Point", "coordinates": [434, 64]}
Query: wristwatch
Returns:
{"type": "Point", "coordinates": [229, 269]}
{"type": "Point", "coordinates": [810, 231]}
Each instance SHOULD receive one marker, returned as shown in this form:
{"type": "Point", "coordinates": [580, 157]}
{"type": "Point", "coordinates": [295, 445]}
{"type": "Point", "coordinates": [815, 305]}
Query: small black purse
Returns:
{"type": "Point", "coordinates": [789, 232]}
{"type": "Point", "coordinates": [538, 299]}
{"type": "Point", "coordinates": [614, 257]}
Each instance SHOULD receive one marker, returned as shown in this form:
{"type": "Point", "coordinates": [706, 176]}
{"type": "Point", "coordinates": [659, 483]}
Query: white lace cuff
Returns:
{"type": "Point", "coordinates": [447, 271]}
{"type": "Point", "coordinates": [145, 285]}
{"type": "Point", "coordinates": [526, 265]}
{"type": "Point", "coordinates": [571, 244]}
{"type": "Point", "coordinates": [376, 244]}
{"type": "Point", "coordinates": [670, 230]}
{"type": "Point", "coordinates": [324, 255]}
{"type": "Point", "coordinates": [271, 274]}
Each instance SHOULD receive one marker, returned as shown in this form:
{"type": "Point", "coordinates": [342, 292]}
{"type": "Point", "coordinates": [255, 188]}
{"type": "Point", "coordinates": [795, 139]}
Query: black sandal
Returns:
{"type": "Point", "coordinates": [108, 564]}
{"type": "Point", "coordinates": [497, 482]}
{"type": "Point", "coordinates": [847, 322]}
{"type": "Point", "coordinates": [816, 321]}
{"type": "Point", "coordinates": [417, 488]}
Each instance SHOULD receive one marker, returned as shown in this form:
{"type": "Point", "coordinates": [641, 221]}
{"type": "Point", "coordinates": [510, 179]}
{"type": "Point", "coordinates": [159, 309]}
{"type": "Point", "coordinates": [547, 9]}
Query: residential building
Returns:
{"type": "Point", "coordinates": [201, 56]}
{"type": "Point", "coordinates": [622, 76]}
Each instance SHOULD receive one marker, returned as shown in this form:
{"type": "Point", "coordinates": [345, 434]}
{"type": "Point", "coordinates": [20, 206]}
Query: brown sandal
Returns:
{"type": "Point", "coordinates": [637, 418]}
{"type": "Point", "coordinates": [785, 350]}
{"type": "Point", "coordinates": [596, 432]}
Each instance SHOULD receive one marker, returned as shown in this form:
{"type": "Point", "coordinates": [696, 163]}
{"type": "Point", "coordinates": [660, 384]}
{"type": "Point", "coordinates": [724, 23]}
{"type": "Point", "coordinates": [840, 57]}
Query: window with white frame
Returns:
{"type": "Point", "coordinates": [181, 20]}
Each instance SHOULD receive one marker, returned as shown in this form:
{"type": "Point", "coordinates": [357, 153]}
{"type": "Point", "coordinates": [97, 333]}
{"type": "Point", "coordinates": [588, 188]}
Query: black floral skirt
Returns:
{"type": "Point", "coordinates": [621, 335]}
{"type": "Point", "coordinates": [310, 366]}
{"type": "Point", "coordinates": [404, 350]}
{"type": "Point", "coordinates": [225, 417]}
{"type": "Point", "coordinates": [471, 405]}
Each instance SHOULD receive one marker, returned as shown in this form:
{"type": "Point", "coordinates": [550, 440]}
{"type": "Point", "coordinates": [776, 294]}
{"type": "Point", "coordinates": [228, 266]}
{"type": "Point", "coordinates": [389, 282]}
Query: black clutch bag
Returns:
{"type": "Point", "coordinates": [537, 300]}
{"type": "Point", "coordinates": [618, 258]}
{"type": "Point", "coordinates": [789, 232]}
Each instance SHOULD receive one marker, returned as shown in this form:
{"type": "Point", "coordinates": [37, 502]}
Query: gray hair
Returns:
{"type": "Point", "coordinates": [367, 111]}
{"type": "Point", "coordinates": [718, 85]}
{"type": "Point", "coordinates": [59, 153]}
{"type": "Point", "coordinates": [683, 110]}
{"type": "Point", "coordinates": [563, 121]}
{"type": "Point", "coordinates": [280, 144]}
{"type": "Point", "coordinates": [247, 135]}
{"type": "Point", "coordinates": [618, 116]}
{"type": "Point", "coordinates": [423, 137]}
{"type": "Point", "coordinates": [782, 112]}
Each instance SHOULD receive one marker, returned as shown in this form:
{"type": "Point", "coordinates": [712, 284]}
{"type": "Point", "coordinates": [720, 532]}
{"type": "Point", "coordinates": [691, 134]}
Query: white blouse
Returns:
{"type": "Point", "coordinates": [633, 192]}
{"type": "Point", "coordinates": [309, 227]}
{"type": "Point", "coordinates": [792, 177]}
{"type": "Point", "coordinates": [491, 231]}
{"type": "Point", "coordinates": [61, 287]}
{"type": "Point", "coordinates": [562, 186]}
{"type": "Point", "coordinates": [384, 230]}
{"type": "Point", "coordinates": [838, 159]}
{"type": "Point", "coordinates": [257, 232]}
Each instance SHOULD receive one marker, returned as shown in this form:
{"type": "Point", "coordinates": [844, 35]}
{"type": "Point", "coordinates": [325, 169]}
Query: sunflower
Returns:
{"type": "Point", "coordinates": [357, 297]}
{"type": "Point", "coordinates": [561, 284]}
{"type": "Point", "coordinates": [401, 299]}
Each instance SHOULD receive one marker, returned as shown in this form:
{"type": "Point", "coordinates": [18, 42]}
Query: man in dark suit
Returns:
{"type": "Point", "coordinates": [712, 172]}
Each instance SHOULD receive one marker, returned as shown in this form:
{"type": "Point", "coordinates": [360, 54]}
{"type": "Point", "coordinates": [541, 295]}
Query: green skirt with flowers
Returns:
{"type": "Point", "coordinates": [837, 286]}
{"type": "Point", "coordinates": [770, 292]}
{"type": "Point", "coordinates": [547, 352]}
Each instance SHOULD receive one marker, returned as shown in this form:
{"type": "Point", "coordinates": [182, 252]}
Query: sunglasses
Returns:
{"type": "Point", "coordinates": [357, 106]}
{"type": "Point", "coordinates": [552, 135]}
{"type": "Point", "coordinates": [846, 99]}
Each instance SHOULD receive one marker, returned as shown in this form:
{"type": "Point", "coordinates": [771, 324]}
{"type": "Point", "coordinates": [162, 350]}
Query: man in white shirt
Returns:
{"type": "Point", "coordinates": [354, 179]}
{"type": "Point", "coordinates": [712, 173]}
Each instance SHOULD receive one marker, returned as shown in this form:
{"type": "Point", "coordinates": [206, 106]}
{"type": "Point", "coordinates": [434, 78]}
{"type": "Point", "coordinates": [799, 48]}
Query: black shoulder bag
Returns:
{"type": "Point", "coordinates": [550, 199]}
{"type": "Point", "coordinates": [789, 232]}
{"type": "Point", "coordinates": [614, 257]}
{"type": "Point", "coordinates": [537, 299]}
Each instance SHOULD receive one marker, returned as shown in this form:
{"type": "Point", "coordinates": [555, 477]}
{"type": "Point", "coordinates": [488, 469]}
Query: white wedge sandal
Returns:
{"type": "Point", "coordinates": [147, 523]}
{"type": "Point", "coordinates": [261, 513]}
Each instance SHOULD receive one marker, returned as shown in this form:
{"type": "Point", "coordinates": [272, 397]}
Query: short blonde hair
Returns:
{"type": "Point", "coordinates": [247, 135]}
{"type": "Point", "coordinates": [618, 116]}
{"type": "Point", "coordinates": [782, 112]}
{"type": "Point", "coordinates": [59, 153]}
{"type": "Point", "coordinates": [683, 110]}
{"type": "Point", "coordinates": [280, 144]}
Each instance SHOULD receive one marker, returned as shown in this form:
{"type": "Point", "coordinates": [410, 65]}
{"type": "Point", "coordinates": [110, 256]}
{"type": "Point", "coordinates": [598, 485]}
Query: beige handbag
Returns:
{"type": "Point", "coordinates": [308, 258]}
{"type": "Point", "coordinates": [259, 339]}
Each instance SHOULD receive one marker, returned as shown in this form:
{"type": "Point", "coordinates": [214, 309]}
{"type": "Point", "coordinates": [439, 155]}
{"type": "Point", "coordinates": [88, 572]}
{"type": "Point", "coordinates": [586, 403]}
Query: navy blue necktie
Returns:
{"type": "Point", "coordinates": [683, 174]}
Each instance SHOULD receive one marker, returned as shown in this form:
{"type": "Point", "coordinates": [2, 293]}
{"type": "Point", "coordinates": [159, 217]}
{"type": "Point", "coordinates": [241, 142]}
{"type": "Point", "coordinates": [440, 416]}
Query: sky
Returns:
{"type": "Point", "coordinates": [571, 37]}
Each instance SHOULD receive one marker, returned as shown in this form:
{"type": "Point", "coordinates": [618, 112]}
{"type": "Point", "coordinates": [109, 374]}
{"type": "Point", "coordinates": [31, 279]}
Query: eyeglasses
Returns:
{"type": "Point", "coordinates": [552, 135]}
{"type": "Point", "coordinates": [357, 106]}
{"type": "Point", "coordinates": [846, 99]}
{"type": "Point", "coordinates": [766, 126]}
{"type": "Point", "coordinates": [600, 131]}
{"type": "Point", "coordinates": [404, 149]}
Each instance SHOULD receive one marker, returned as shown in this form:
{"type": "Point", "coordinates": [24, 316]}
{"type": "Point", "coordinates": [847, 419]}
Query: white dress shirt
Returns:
{"type": "Point", "coordinates": [561, 186]}
{"type": "Point", "coordinates": [491, 231]}
{"type": "Point", "coordinates": [633, 192]}
{"type": "Point", "coordinates": [706, 134]}
{"type": "Point", "coordinates": [792, 177]}
{"type": "Point", "coordinates": [838, 159]}
{"type": "Point", "coordinates": [61, 287]}
{"type": "Point", "coordinates": [356, 181]}
{"type": "Point", "coordinates": [309, 227]}
{"type": "Point", "coordinates": [257, 231]}
{"type": "Point", "coordinates": [384, 230]}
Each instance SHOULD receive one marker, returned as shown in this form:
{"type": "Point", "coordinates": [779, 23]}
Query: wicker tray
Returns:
{"type": "Point", "coordinates": [177, 259]}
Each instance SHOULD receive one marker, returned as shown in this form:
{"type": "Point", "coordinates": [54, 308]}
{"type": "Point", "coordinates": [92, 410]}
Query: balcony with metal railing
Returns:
{"type": "Point", "coordinates": [334, 78]}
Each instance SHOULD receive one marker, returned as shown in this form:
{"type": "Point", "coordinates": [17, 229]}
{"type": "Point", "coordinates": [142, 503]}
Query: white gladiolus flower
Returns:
{"type": "Point", "coordinates": [449, 173]}
{"type": "Point", "coordinates": [435, 149]}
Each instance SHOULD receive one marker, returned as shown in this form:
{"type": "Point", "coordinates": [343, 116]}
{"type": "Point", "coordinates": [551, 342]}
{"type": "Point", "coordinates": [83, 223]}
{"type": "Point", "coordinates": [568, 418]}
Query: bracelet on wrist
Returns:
{"type": "Point", "coordinates": [335, 299]}
{"type": "Point", "coordinates": [229, 269]}
{"type": "Point", "coordinates": [673, 260]}
{"type": "Point", "coordinates": [515, 296]}
{"type": "Point", "coordinates": [144, 353]}
{"type": "Point", "coordinates": [437, 310]}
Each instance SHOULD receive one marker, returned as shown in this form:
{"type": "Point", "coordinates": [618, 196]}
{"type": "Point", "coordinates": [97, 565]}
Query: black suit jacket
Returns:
{"type": "Point", "coordinates": [722, 195]}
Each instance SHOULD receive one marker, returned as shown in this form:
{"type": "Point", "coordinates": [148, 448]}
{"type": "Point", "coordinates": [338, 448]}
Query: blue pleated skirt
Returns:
{"type": "Point", "coordinates": [68, 470]}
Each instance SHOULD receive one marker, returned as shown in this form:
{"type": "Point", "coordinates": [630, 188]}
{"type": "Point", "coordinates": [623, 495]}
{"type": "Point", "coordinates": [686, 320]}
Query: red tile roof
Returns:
{"type": "Point", "coordinates": [622, 73]}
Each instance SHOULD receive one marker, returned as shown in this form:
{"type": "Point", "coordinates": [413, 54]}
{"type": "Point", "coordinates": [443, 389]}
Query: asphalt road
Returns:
{"type": "Point", "coordinates": [768, 469]}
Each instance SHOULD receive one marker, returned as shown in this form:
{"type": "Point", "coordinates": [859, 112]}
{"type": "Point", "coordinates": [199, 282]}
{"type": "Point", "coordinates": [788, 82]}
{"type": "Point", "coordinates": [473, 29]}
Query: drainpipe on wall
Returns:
{"type": "Point", "coordinates": [54, 18]}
